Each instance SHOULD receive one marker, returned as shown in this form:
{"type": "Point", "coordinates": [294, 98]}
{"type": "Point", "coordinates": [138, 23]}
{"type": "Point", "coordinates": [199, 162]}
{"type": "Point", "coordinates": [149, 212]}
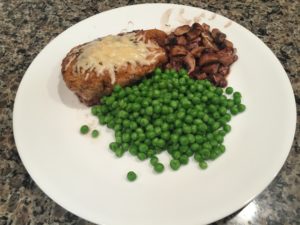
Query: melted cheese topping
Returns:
{"type": "Point", "coordinates": [112, 52]}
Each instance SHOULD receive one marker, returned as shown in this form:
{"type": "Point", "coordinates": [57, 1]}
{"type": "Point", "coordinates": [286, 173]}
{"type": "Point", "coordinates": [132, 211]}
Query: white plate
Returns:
{"type": "Point", "coordinates": [83, 176]}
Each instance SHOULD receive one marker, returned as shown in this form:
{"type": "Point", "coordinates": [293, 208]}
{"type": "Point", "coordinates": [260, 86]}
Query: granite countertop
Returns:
{"type": "Point", "coordinates": [27, 26]}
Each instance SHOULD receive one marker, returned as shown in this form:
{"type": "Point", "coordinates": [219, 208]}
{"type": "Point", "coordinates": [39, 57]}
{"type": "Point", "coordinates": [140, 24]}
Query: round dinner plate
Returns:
{"type": "Point", "coordinates": [83, 176]}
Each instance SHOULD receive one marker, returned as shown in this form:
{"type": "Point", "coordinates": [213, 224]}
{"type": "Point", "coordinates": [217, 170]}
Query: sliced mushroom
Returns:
{"type": "Point", "coordinates": [226, 51]}
{"type": "Point", "coordinates": [205, 54]}
{"type": "Point", "coordinates": [227, 60]}
{"type": "Point", "coordinates": [182, 30]}
{"type": "Point", "coordinates": [193, 34]}
{"type": "Point", "coordinates": [208, 58]}
{"type": "Point", "coordinates": [176, 63]}
{"type": "Point", "coordinates": [228, 44]}
{"type": "Point", "coordinates": [207, 35]}
{"type": "Point", "coordinates": [190, 62]}
{"type": "Point", "coordinates": [192, 45]}
{"type": "Point", "coordinates": [181, 40]}
{"type": "Point", "coordinates": [218, 36]}
{"type": "Point", "coordinates": [223, 70]}
{"type": "Point", "coordinates": [206, 27]}
{"type": "Point", "coordinates": [200, 76]}
{"type": "Point", "coordinates": [216, 78]}
{"type": "Point", "coordinates": [171, 40]}
{"type": "Point", "coordinates": [197, 26]}
{"type": "Point", "coordinates": [222, 83]}
{"type": "Point", "coordinates": [208, 44]}
{"type": "Point", "coordinates": [178, 50]}
{"type": "Point", "coordinates": [211, 69]}
{"type": "Point", "coordinates": [197, 51]}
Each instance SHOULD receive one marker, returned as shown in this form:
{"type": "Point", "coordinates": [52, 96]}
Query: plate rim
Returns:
{"type": "Point", "coordinates": [229, 212]}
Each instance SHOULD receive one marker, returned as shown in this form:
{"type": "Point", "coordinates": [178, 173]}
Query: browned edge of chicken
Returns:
{"type": "Point", "coordinates": [90, 86]}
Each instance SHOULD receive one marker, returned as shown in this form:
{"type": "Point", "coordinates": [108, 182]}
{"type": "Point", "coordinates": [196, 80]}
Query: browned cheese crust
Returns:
{"type": "Point", "coordinates": [90, 89]}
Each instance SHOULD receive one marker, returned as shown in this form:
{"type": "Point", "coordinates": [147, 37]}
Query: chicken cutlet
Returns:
{"type": "Point", "coordinates": [91, 70]}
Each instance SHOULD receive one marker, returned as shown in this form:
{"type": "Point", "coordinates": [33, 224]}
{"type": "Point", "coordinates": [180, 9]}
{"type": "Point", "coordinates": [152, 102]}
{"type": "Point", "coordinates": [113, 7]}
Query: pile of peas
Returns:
{"type": "Point", "coordinates": [170, 112]}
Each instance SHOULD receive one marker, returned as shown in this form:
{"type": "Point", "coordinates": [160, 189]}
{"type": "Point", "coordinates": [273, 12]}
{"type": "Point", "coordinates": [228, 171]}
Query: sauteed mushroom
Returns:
{"type": "Point", "coordinates": [205, 54]}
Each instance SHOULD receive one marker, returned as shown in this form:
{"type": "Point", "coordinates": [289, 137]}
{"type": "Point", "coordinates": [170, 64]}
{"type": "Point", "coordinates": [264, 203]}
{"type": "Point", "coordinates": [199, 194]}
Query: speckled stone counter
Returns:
{"type": "Point", "coordinates": [27, 26]}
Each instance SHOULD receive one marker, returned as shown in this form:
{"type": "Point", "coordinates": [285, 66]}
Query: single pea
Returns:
{"type": "Point", "coordinates": [113, 146]}
{"type": "Point", "coordinates": [159, 168]}
{"type": "Point", "coordinates": [227, 117]}
{"type": "Point", "coordinates": [241, 108]}
{"type": "Point", "coordinates": [195, 146]}
{"type": "Point", "coordinates": [154, 160]}
{"type": "Point", "coordinates": [199, 139]}
{"type": "Point", "coordinates": [165, 135]}
{"type": "Point", "coordinates": [237, 100]}
{"type": "Point", "coordinates": [189, 119]}
{"type": "Point", "coordinates": [117, 88]}
{"type": "Point", "coordinates": [165, 127]}
{"type": "Point", "coordinates": [184, 159]}
{"type": "Point", "coordinates": [134, 136]}
{"type": "Point", "coordinates": [150, 153]}
{"type": "Point", "coordinates": [237, 94]}
{"type": "Point", "coordinates": [141, 156]}
{"type": "Point", "coordinates": [230, 103]}
{"type": "Point", "coordinates": [191, 138]}
{"type": "Point", "coordinates": [149, 110]}
{"type": "Point", "coordinates": [207, 145]}
{"type": "Point", "coordinates": [184, 140]}
{"type": "Point", "coordinates": [234, 110]}
{"type": "Point", "coordinates": [176, 155]}
{"type": "Point", "coordinates": [189, 153]}
{"type": "Point", "coordinates": [131, 176]}
{"type": "Point", "coordinates": [95, 110]}
{"type": "Point", "coordinates": [174, 138]}
{"type": "Point", "coordinates": [84, 129]}
{"type": "Point", "coordinates": [157, 130]}
{"type": "Point", "coordinates": [133, 150]}
{"type": "Point", "coordinates": [141, 136]}
{"type": "Point", "coordinates": [150, 134]}
{"type": "Point", "coordinates": [227, 128]}
{"type": "Point", "coordinates": [198, 157]}
{"type": "Point", "coordinates": [175, 164]}
{"type": "Point", "coordinates": [213, 155]}
{"type": "Point", "coordinates": [205, 153]}
{"type": "Point", "coordinates": [133, 125]}
{"type": "Point", "coordinates": [161, 143]}
{"type": "Point", "coordinates": [126, 137]}
{"type": "Point", "coordinates": [157, 71]}
{"type": "Point", "coordinates": [119, 152]}
{"type": "Point", "coordinates": [125, 146]}
{"type": "Point", "coordinates": [143, 148]}
{"type": "Point", "coordinates": [219, 91]}
{"type": "Point", "coordinates": [222, 148]}
{"type": "Point", "coordinates": [203, 165]}
{"type": "Point", "coordinates": [144, 121]}
{"type": "Point", "coordinates": [229, 90]}
{"type": "Point", "coordinates": [186, 129]}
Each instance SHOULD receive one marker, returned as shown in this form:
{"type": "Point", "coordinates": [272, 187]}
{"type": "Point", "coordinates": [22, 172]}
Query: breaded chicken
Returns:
{"type": "Point", "coordinates": [91, 70]}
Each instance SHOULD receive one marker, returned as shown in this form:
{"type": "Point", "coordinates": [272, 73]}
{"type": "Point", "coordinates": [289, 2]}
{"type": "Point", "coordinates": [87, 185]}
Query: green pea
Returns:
{"type": "Point", "coordinates": [131, 176]}
{"type": "Point", "coordinates": [159, 167]}
{"type": "Point", "coordinates": [203, 165]}
{"type": "Point", "coordinates": [113, 146]}
{"type": "Point", "coordinates": [175, 164]}
{"type": "Point", "coordinates": [241, 108]}
{"type": "Point", "coordinates": [154, 160]}
{"type": "Point", "coordinates": [184, 140]}
{"type": "Point", "coordinates": [133, 150]}
{"type": "Point", "coordinates": [141, 156]}
{"type": "Point", "coordinates": [184, 159]}
{"type": "Point", "coordinates": [84, 129]}
{"type": "Point", "coordinates": [229, 90]}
